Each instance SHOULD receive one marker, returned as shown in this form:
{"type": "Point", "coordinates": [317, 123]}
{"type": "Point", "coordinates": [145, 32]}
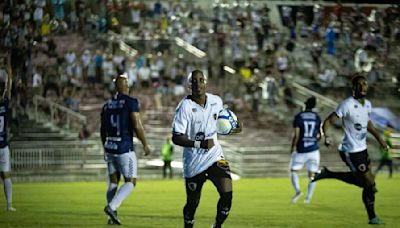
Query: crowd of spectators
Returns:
{"type": "Point", "coordinates": [325, 45]}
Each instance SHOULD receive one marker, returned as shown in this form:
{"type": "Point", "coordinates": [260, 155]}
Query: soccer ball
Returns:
{"type": "Point", "coordinates": [227, 121]}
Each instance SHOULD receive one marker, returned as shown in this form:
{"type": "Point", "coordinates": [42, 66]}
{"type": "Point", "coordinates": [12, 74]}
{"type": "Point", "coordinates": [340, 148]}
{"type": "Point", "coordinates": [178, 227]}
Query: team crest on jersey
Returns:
{"type": "Point", "coordinates": [194, 110]}
{"type": "Point", "coordinates": [215, 116]}
{"type": "Point", "coordinates": [355, 106]}
{"type": "Point", "coordinates": [200, 136]}
{"type": "Point", "coordinates": [358, 126]}
{"type": "Point", "coordinates": [362, 167]}
{"type": "Point", "coordinates": [192, 186]}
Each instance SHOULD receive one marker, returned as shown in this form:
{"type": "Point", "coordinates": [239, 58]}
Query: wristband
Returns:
{"type": "Point", "coordinates": [197, 144]}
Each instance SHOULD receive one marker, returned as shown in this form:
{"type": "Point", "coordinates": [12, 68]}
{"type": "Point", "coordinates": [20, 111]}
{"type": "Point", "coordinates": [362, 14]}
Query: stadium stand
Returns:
{"type": "Point", "coordinates": [262, 59]}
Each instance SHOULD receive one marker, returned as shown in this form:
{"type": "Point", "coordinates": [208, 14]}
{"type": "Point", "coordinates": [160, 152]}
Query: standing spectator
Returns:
{"type": "Point", "coordinates": [86, 60]}
{"type": "Point", "coordinates": [98, 59]}
{"type": "Point", "coordinates": [386, 155]}
{"type": "Point", "coordinates": [144, 75]}
{"type": "Point", "coordinates": [167, 152]}
{"type": "Point", "coordinates": [37, 82]}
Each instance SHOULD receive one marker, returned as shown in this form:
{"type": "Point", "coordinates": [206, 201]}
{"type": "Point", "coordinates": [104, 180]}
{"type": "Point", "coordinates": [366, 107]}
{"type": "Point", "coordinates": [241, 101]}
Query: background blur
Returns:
{"type": "Point", "coordinates": [264, 58]}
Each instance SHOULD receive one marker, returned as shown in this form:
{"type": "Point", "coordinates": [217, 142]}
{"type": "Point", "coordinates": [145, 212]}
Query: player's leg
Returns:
{"type": "Point", "coordinates": [390, 166]}
{"type": "Point", "coordinates": [170, 170]}
{"type": "Point", "coordinates": [112, 181]}
{"type": "Point", "coordinates": [347, 177]}
{"type": "Point", "coordinates": [296, 163]}
{"type": "Point", "coordinates": [193, 187]}
{"type": "Point", "coordinates": [219, 173]}
{"type": "Point", "coordinates": [5, 174]}
{"type": "Point", "coordinates": [381, 164]}
{"type": "Point", "coordinates": [127, 166]}
{"type": "Point", "coordinates": [364, 176]}
{"type": "Point", "coordinates": [165, 169]}
{"type": "Point", "coordinates": [313, 159]}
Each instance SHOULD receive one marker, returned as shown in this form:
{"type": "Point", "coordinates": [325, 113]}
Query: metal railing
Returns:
{"type": "Point", "coordinates": [49, 111]}
{"type": "Point", "coordinates": [52, 158]}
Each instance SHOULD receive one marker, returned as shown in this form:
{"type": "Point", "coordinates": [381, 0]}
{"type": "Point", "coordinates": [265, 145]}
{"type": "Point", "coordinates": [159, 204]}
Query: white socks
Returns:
{"type": "Point", "coordinates": [122, 193]}
{"type": "Point", "coordinates": [8, 191]}
{"type": "Point", "coordinates": [311, 188]}
{"type": "Point", "coordinates": [112, 189]}
{"type": "Point", "coordinates": [295, 181]}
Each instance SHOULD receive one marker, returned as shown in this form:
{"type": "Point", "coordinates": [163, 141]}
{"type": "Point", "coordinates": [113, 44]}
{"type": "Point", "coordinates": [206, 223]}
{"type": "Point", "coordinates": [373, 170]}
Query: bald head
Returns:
{"type": "Point", "coordinates": [121, 84]}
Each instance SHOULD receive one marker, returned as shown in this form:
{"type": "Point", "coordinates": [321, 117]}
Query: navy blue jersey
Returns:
{"type": "Point", "coordinates": [117, 123]}
{"type": "Point", "coordinates": [3, 122]}
{"type": "Point", "coordinates": [309, 124]}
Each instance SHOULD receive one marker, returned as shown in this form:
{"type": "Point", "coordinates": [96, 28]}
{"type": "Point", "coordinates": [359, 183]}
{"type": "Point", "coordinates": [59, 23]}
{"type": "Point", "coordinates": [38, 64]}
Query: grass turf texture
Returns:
{"type": "Point", "coordinates": [158, 203]}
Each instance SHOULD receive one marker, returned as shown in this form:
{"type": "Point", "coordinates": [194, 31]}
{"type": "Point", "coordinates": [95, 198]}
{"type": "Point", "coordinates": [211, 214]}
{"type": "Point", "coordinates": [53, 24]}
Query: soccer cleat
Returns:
{"type": "Point", "coordinates": [110, 221]}
{"type": "Point", "coordinates": [376, 221]}
{"type": "Point", "coordinates": [307, 201]}
{"type": "Point", "coordinates": [11, 209]}
{"type": "Point", "coordinates": [323, 173]}
{"type": "Point", "coordinates": [296, 197]}
{"type": "Point", "coordinates": [112, 214]}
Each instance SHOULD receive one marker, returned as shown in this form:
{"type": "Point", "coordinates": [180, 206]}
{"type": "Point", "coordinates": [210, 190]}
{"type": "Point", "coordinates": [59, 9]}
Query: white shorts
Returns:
{"type": "Point", "coordinates": [124, 163]}
{"type": "Point", "coordinates": [5, 164]}
{"type": "Point", "coordinates": [311, 159]}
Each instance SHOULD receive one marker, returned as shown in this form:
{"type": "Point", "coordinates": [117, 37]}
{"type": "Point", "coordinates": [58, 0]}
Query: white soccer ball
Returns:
{"type": "Point", "coordinates": [227, 121]}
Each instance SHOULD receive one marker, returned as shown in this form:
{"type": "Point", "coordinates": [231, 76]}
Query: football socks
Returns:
{"type": "Point", "coordinates": [122, 193]}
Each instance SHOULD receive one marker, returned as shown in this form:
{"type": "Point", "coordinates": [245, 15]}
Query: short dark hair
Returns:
{"type": "Point", "coordinates": [310, 103]}
{"type": "Point", "coordinates": [356, 78]}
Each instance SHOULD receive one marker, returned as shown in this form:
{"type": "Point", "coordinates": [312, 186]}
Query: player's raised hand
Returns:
{"type": "Point", "coordinates": [146, 150]}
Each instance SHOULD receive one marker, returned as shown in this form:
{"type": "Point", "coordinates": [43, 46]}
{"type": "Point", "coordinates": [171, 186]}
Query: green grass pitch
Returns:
{"type": "Point", "coordinates": [158, 203]}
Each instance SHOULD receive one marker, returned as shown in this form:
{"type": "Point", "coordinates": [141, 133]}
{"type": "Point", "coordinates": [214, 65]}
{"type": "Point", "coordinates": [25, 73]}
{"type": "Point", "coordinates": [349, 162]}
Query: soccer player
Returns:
{"type": "Point", "coordinates": [119, 120]}
{"type": "Point", "coordinates": [5, 164]}
{"type": "Point", "coordinates": [194, 128]}
{"type": "Point", "coordinates": [355, 115]}
{"type": "Point", "coordinates": [305, 149]}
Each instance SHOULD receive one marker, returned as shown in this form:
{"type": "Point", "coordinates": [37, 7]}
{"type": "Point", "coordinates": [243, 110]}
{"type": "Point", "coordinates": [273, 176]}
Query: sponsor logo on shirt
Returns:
{"type": "Point", "coordinates": [194, 110]}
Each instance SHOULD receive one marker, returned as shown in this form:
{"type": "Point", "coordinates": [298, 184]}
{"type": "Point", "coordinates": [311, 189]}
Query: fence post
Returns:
{"type": "Point", "coordinates": [40, 158]}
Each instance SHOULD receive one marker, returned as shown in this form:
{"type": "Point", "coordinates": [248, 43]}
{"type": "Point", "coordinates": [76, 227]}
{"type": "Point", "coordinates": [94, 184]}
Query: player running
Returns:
{"type": "Point", "coordinates": [355, 113]}
{"type": "Point", "coordinates": [194, 128]}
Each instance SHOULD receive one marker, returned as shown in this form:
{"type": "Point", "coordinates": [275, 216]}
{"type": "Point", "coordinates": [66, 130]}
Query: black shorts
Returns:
{"type": "Point", "coordinates": [357, 162]}
{"type": "Point", "coordinates": [219, 169]}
